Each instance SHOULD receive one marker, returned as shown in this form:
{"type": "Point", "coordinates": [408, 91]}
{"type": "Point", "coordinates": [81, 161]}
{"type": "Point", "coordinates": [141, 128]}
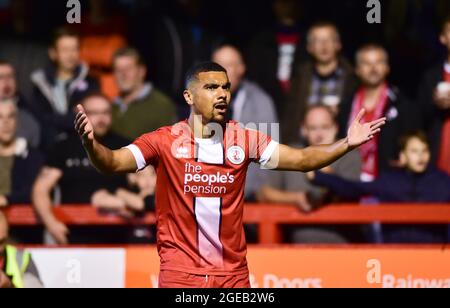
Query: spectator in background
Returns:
{"type": "Point", "coordinates": [140, 108]}
{"type": "Point", "coordinates": [434, 97]}
{"type": "Point", "coordinates": [58, 87]}
{"type": "Point", "coordinates": [28, 127]}
{"type": "Point", "coordinates": [19, 164]}
{"type": "Point", "coordinates": [273, 54]}
{"type": "Point", "coordinates": [17, 269]}
{"type": "Point", "coordinates": [379, 99]}
{"type": "Point", "coordinates": [319, 127]}
{"type": "Point", "coordinates": [249, 105]}
{"type": "Point", "coordinates": [415, 182]}
{"type": "Point", "coordinates": [68, 167]}
{"type": "Point", "coordinates": [326, 78]}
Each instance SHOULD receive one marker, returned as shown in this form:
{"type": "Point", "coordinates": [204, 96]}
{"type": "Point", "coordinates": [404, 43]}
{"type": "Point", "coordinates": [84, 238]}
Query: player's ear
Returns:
{"type": "Point", "coordinates": [188, 97]}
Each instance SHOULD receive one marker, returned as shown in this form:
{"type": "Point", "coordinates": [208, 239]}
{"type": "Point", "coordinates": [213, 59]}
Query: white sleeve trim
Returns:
{"type": "Point", "coordinates": [140, 160]}
{"type": "Point", "coordinates": [268, 152]}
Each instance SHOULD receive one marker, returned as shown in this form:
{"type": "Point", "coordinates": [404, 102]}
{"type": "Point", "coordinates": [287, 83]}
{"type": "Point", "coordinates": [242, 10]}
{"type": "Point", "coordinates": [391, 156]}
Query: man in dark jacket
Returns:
{"type": "Point", "coordinates": [19, 164]}
{"type": "Point", "coordinates": [60, 86]}
{"type": "Point", "coordinates": [380, 99]}
{"type": "Point", "coordinates": [416, 182]}
{"type": "Point", "coordinates": [325, 79]}
{"type": "Point", "coordinates": [434, 98]}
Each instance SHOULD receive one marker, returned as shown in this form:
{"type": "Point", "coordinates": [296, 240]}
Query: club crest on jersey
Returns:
{"type": "Point", "coordinates": [182, 152]}
{"type": "Point", "coordinates": [236, 155]}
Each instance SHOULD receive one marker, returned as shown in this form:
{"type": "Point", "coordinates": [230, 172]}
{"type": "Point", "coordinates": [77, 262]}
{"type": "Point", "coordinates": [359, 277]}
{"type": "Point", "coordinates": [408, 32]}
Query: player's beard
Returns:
{"type": "Point", "coordinates": [217, 118]}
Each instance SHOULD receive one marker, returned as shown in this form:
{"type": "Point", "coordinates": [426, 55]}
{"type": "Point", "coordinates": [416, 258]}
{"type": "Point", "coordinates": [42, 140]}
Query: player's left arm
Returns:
{"type": "Point", "coordinates": [318, 157]}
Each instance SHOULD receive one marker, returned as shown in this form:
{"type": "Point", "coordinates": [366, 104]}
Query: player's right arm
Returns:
{"type": "Point", "coordinates": [103, 159]}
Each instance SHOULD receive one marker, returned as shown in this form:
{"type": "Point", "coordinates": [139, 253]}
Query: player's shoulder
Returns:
{"type": "Point", "coordinates": [167, 131]}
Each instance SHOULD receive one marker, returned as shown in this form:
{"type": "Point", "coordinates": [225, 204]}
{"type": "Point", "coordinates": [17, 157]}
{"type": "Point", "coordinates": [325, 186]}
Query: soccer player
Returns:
{"type": "Point", "coordinates": [201, 165]}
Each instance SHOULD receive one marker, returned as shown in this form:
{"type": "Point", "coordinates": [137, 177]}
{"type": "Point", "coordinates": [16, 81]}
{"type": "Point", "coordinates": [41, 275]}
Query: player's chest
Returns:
{"type": "Point", "coordinates": [212, 169]}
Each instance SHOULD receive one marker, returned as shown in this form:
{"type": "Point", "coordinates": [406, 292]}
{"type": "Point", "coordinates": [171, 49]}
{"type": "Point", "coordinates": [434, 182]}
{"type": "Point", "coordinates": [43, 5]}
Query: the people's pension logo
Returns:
{"type": "Point", "coordinates": [74, 13]}
{"type": "Point", "coordinates": [374, 14]}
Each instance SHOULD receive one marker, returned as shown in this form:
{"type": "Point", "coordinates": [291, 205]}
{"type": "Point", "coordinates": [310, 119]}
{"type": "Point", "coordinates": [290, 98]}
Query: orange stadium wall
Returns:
{"type": "Point", "coordinates": [277, 267]}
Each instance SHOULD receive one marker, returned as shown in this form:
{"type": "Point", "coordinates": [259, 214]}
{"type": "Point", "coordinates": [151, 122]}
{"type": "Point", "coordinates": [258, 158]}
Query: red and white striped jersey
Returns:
{"type": "Point", "coordinates": [200, 194]}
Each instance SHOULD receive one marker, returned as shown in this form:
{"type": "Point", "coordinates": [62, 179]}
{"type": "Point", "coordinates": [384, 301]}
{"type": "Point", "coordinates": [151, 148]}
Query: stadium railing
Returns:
{"type": "Point", "coordinates": [268, 217]}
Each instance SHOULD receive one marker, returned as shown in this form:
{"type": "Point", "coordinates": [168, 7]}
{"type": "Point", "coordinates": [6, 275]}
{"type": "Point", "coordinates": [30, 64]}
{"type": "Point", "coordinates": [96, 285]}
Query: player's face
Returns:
{"type": "Point", "coordinates": [129, 74]}
{"type": "Point", "coordinates": [445, 36]}
{"type": "Point", "coordinates": [8, 122]}
{"type": "Point", "coordinates": [210, 96]}
{"type": "Point", "coordinates": [98, 110]}
{"type": "Point", "coordinates": [66, 53]}
{"type": "Point", "coordinates": [372, 67]}
{"type": "Point", "coordinates": [8, 86]}
{"type": "Point", "coordinates": [319, 128]}
{"type": "Point", "coordinates": [324, 44]}
{"type": "Point", "coordinates": [416, 156]}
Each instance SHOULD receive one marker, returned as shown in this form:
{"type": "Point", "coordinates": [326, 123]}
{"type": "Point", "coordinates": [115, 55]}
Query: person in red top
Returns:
{"type": "Point", "coordinates": [379, 98]}
{"type": "Point", "coordinates": [201, 165]}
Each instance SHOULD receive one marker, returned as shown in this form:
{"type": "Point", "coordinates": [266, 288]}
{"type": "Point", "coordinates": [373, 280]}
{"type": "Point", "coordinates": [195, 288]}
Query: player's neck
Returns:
{"type": "Point", "coordinates": [200, 129]}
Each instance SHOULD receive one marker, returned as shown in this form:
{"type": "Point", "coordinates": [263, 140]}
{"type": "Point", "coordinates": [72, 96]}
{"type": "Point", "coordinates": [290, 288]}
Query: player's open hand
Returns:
{"type": "Point", "coordinates": [83, 126]}
{"type": "Point", "coordinates": [359, 133]}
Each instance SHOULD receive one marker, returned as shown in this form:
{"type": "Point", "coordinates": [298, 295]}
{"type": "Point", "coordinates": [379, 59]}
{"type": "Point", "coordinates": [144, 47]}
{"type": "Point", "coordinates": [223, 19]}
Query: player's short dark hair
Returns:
{"type": "Point", "coordinates": [404, 140]}
{"type": "Point", "coordinates": [129, 52]}
{"type": "Point", "coordinates": [203, 67]}
{"type": "Point", "coordinates": [61, 33]}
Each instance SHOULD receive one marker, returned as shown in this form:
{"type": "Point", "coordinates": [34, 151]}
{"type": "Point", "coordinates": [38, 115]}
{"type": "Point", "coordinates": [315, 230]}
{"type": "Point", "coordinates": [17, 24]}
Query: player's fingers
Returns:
{"type": "Point", "coordinates": [80, 120]}
{"type": "Point", "coordinates": [80, 108]}
{"type": "Point", "coordinates": [378, 125]}
{"type": "Point", "coordinates": [82, 127]}
{"type": "Point", "coordinates": [360, 115]}
{"type": "Point", "coordinates": [376, 122]}
{"type": "Point", "coordinates": [376, 131]}
{"type": "Point", "coordinates": [78, 115]}
{"type": "Point", "coordinates": [86, 134]}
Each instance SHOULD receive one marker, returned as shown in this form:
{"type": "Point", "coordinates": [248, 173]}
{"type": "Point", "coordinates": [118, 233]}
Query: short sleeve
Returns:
{"type": "Point", "coordinates": [261, 147]}
{"type": "Point", "coordinates": [145, 149]}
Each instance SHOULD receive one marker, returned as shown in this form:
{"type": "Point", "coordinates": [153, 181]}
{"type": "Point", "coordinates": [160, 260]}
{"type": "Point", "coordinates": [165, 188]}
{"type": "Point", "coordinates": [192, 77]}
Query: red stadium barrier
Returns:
{"type": "Point", "coordinates": [267, 217]}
